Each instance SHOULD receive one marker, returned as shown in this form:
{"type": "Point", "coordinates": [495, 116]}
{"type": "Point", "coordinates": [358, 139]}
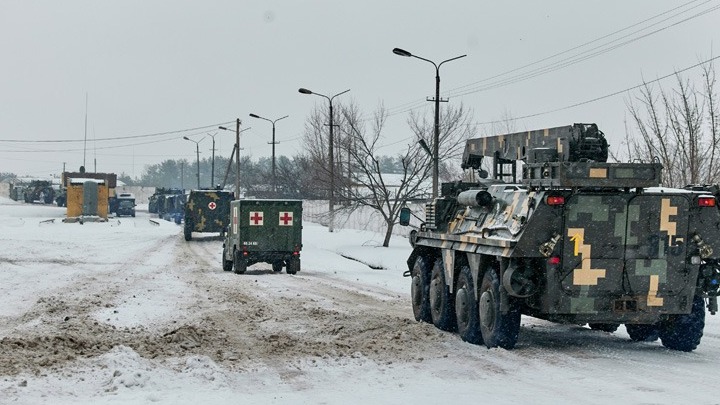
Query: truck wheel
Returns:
{"type": "Point", "coordinates": [605, 327]}
{"type": "Point", "coordinates": [188, 231]}
{"type": "Point", "coordinates": [496, 328]}
{"type": "Point", "coordinates": [239, 262]}
{"type": "Point", "coordinates": [277, 266]}
{"type": "Point", "coordinates": [643, 333]}
{"type": "Point", "coordinates": [442, 308]}
{"type": "Point", "coordinates": [466, 308]}
{"type": "Point", "coordinates": [420, 289]}
{"type": "Point", "coordinates": [293, 265]}
{"type": "Point", "coordinates": [683, 332]}
{"type": "Point", "coordinates": [227, 265]}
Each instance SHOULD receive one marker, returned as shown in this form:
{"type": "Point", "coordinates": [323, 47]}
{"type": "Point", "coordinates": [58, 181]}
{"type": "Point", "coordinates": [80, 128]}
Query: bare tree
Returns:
{"type": "Point", "coordinates": [456, 126]}
{"type": "Point", "coordinates": [316, 146]}
{"type": "Point", "coordinates": [678, 128]}
{"type": "Point", "coordinates": [367, 185]}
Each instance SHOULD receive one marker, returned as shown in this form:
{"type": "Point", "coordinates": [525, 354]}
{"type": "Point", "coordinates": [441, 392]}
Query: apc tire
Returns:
{"type": "Point", "coordinates": [643, 333]}
{"type": "Point", "coordinates": [293, 265]}
{"type": "Point", "coordinates": [239, 262]}
{"type": "Point", "coordinates": [683, 332]}
{"type": "Point", "coordinates": [442, 303]}
{"type": "Point", "coordinates": [420, 289]}
{"type": "Point", "coordinates": [466, 308]}
{"type": "Point", "coordinates": [605, 327]}
{"type": "Point", "coordinates": [227, 265]}
{"type": "Point", "coordinates": [496, 328]}
{"type": "Point", "coordinates": [277, 266]}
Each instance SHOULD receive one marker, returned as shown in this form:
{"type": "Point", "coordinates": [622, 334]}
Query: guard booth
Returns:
{"type": "Point", "coordinates": [87, 200]}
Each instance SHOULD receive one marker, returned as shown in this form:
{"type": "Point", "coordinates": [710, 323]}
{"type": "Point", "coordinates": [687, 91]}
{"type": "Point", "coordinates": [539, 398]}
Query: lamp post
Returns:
{"type": "Point", "coordinates": [436, 135]}
{"type": "Point", "coordinates": [331, 157]}
{"type": "Point", "coordinates": [237, 153]}
{"type": "Point", "coordinates": [197, 151]}
{"type": "Point", "coordinates": [273, 147]}
{"type": "Point", "coordinates": [212, 170]}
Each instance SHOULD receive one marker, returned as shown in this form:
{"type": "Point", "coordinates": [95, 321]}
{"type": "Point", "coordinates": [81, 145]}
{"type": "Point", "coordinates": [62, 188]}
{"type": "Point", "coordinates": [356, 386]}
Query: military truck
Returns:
{"type": "Point", "coordinates": [565, 237]}
{"type": "Point", "coordinates": [154, 203]}
{"type": "Point", "coordinates": [207, 211]}
{"type": "Point", "coordinates": [263, 231]}
{"type": "Point", "coordinates": [125, 205]}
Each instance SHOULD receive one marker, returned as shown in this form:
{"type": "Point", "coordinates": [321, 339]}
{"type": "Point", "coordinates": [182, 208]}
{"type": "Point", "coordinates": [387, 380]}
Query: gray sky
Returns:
{"type": "Point", "coordinates": [152, 67]}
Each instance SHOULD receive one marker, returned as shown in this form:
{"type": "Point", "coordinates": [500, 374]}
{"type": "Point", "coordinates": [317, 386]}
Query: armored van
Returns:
{"type": "Point", "coordinates": [565, 237]}
{"type": "Point", "coordinates": [264, 231]}
{"type": "Point", "coordinates": [207, 211]}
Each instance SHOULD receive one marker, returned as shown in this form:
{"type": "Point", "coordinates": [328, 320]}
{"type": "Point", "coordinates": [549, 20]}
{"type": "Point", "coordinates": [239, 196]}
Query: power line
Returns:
{"type": "Point", "coordinates": [615, 93]}
{"type": "Point", "coordinates": [410, 106]}
{"type": "Point", "coordinates": [120, 138]}
{"type": "Point", "coordinates": [607, 95]}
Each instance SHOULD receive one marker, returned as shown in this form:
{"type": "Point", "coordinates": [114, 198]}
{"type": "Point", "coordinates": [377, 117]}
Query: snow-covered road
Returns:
{"type": "Point", "coordinates": [128, 312]}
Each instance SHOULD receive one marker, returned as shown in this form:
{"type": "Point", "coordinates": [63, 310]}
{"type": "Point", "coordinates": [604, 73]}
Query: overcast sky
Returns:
{"type": "Point", "coordinates": [151, 67]}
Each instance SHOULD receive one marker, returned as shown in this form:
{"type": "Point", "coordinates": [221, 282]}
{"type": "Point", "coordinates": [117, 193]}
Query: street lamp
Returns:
{"type": "Point", "coordinates": [436, 136]}
{"type": "Point", "coordinates": [197, 151]}
{"type": "Point", "coordinates": [273, 147]}
{"type": "Point", "coordinates": [237, 153]}
{"type": "Point", "coordinates": [332, 160]}
{"type": "Point", "coordinates": [212, 170]}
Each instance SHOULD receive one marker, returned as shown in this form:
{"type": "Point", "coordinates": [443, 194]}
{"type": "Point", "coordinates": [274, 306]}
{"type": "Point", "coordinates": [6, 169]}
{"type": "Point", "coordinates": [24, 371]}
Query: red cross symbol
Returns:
{"type": "Point", "coordinates": [212, 205]}
{"type": "Point", "coordinates": [286, 218]}
{"type": "Point", "coordinates": [256, 218]}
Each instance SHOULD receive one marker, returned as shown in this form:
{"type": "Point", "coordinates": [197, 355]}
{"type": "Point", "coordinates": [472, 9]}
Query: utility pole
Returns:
{"type": "Point", "coordinates": [274, 178]}
{"type": "Point", "coordinates": [331, 157]}
{"type": "Point", "coordinates": [437, 100]}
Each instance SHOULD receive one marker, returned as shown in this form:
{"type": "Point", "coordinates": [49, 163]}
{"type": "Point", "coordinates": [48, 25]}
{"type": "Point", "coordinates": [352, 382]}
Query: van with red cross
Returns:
{"type": "Point", "coordinates": [263, 231]}
{"type": "Point", "coordinates": [205, 211]}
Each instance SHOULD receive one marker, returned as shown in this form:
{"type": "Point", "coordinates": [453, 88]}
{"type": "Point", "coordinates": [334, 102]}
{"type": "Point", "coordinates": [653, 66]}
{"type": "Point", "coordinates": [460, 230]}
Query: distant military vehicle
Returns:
{"type": "Point", "coordinates": [173, 207]}
{"type": "Point", "coordinates": [153, 201]}
{"type": "Point", "coordinates": [40, 191]}
{"type": "Point", "coordinates": [576, 240]}
{"type": "Point", "coordinates": [125, 205]}
{"type": "Point", "coordinates": [264, 231]}
{"type": "Point", "coordinates": [207, 211]}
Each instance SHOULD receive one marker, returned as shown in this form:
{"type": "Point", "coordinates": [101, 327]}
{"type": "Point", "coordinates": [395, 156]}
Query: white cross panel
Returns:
{"type": "Point", "coordinates": [256, 218]}
{"type": "Point", "coordinates": [286, 218]}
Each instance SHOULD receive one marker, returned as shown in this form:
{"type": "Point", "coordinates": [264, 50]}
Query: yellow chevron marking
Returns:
{"type": "Point", "coordinates": [585, 275]}
{"type": "Point", "coordinates": [666, 211]}
{"type": "Point", "coordinates": [653, 300]}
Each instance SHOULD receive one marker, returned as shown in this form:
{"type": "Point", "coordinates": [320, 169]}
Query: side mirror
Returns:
{"type": "Point", "coordinates": [404, 216]}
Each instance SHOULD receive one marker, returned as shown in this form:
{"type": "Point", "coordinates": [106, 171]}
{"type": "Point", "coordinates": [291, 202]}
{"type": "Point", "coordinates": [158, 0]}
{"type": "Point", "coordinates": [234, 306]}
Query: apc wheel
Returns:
{"type": "Point", "coordinates": [188, 231]}
{"type": "Point", "coordinates": [466, 308]}
{"type": "Point", "coordinates": [442, 308]}
{"type": "Point", "coordinates": [643, 333]}
{"type": "Point", "coordinates": [683, 332]}
{"type": "Point", "coordinates": [293, 265]}
{"type": "Point", "coordinates": [239, 262]}
{"type": "Point", "coordinates": [496, 328]}
{"type": "Point", "coordinates": [277, 266]}
{"type": "Point", "coordinates": [605, 327]}
{"type": "Point", "coordinates": [420, 289]}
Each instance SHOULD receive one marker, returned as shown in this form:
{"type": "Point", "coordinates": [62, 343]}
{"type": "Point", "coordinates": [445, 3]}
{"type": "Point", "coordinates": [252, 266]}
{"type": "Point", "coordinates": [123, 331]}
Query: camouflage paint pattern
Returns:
{"type": "Point", "coordinates": [208, 210]}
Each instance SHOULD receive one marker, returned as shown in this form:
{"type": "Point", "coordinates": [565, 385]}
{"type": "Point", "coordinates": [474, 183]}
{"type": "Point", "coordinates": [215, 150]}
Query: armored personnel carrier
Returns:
{"type": "Point", "coordinates": [558, 233]}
